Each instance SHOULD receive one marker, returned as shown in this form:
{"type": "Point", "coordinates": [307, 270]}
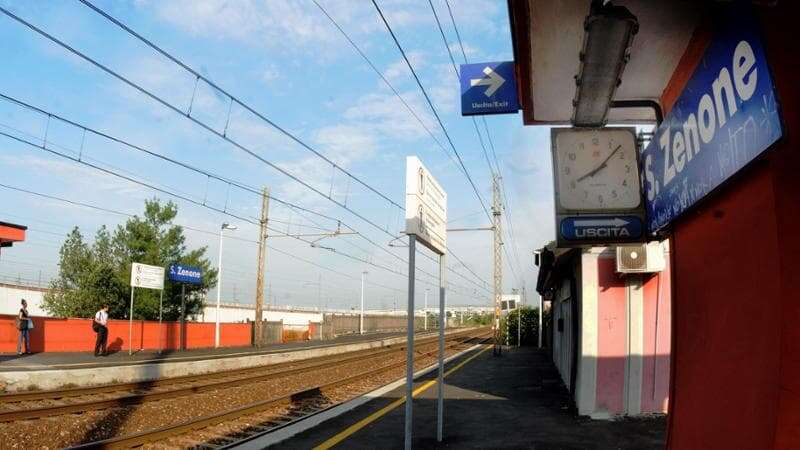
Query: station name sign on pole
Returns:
{"type": "Point", "coordinates": [726, 116]}
{"type": "Point", "coordinates": [488, 88]}
{"type": "Point", "coordinates": [184, 275]}
{"type": "Point", "coordinates": [426, 221]}
{"type": "Point", "coordinates": [148, 277]}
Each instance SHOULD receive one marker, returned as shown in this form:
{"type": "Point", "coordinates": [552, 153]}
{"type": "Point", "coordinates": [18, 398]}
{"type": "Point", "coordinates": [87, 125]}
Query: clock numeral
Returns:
{"type": "Point", "coordinates": [595, 141]}
{"type": "Point", "coordinates": [566, 170]}
{"type": "Point", "coordinates": [614, 193]}
{"type": "Point", "coordinates": [627, 169]}
{"type": "Point", "coordinates": [580, 145]}
{"type": "Point", "coordinates": [625, 182]}
{"type": "Point", "coordinates": [573, 184]}
{"type": "Point", "coordinates": [585, 194]}
{"type": "Point", "coordinates": [600, 198]}
{"type": "Point", "coordinates": [622, 155]}
{"type": "Point", "coordinates": [572, 156]}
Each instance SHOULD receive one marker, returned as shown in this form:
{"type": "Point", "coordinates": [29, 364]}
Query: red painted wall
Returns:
{"type": "Point", "coordinates": [736, 259]}
{"type": "Point", "coordinates": [76, 335]}
{"type": "Point", "coordinates": [656, 323]}
{"type": "Point", "coordinates": [611, 337]}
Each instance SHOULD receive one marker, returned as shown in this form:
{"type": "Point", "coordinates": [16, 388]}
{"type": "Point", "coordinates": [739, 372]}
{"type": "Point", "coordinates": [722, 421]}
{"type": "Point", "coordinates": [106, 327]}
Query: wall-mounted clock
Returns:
{"type": "Point", "coordinates": [598, 195]}
{"type": "Point", "coordinates": [596, 169]}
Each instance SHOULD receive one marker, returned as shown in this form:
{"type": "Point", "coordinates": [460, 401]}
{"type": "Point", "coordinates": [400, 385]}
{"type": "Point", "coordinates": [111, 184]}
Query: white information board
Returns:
{"type": "Point", "coordinates": [149, 277]}
{"type": "Point", "coordinates": [426, 206]}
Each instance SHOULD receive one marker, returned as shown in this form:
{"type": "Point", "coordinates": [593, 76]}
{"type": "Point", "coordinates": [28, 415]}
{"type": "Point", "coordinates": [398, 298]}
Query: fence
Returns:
{"type": "Point", "coordinates": [51, 334]}
{"type": "Point", "coordinates": [337, 324]}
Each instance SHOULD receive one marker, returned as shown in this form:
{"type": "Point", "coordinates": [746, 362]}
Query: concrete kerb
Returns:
{"type": "Point", "coordinates": [18, 381]}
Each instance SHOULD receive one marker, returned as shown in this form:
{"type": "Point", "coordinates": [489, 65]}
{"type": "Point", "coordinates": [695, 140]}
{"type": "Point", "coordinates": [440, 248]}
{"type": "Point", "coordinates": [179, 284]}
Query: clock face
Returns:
{"type": "Point", "coordinates": [596, 169]}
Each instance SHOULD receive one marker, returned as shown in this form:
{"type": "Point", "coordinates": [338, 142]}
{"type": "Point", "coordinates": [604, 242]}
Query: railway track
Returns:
{"type": "Point", "coordinates": [39, 404]}
{"type": "Point", "coordinates": [225, 428]}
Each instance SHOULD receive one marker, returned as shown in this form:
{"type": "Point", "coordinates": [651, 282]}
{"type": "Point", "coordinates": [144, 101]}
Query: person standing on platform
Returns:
{"type": "Point", "coordinates": [24, 326]}
{"type": "Point", "coordinates": [99, 324]}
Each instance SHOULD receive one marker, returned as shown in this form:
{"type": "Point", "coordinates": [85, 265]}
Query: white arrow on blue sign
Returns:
{"type": "Point", "coordinates": [488, 88]}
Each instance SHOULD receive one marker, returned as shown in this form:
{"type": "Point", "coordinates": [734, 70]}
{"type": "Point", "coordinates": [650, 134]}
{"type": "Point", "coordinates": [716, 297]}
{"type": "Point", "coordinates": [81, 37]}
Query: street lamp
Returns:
{"type": "Point", "coordinates": [225, 226]}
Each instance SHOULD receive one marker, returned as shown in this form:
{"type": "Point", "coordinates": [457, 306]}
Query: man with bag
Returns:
{"type": "Point", "coordinates": [99, 325]}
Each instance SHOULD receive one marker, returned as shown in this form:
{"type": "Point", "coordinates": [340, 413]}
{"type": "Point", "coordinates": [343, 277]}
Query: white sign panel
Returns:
{"type": "Point", "coordinates": [426, 206]}
{"type": "Point", "coordinates": [144, 276]}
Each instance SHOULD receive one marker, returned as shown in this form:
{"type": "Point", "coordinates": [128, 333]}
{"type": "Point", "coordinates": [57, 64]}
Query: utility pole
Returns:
{"type": "Point", "coordinates": [262, 256]}
{"type": "Point", "coordinates": [426, 309]}
{"type": "Point", "coordinates": [498, 261]}
{"type": "Point", "coordinates": [361, 317]}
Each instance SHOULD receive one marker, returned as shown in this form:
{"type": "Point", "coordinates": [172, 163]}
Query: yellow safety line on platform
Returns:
{"type": "Point", "coordinates": [349, 431]}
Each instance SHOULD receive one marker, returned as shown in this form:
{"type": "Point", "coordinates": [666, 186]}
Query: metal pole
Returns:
{"type": "Point", "coordinates": [183, 316]}
{"type": "Point", "coordinates": [130, 325]}
{"type": "Point", "coordinates": [361, 317]}
{"type": "Point", "coordinates": [219, 288]}
{"type": "Point", "coordinates": [426, 309]}
{"type": "Point", "coordinates": [442, 325]}
{"type": "Point", "coordinates": [497, 208]}
{"type": "Point", "coordinates": [160, 322]}
{"type": "Point", "coordinates": [519, 317]}
{"type": "Point", "coordinates": [541, 306]}
{"type": "Point", "coordinates": [412, 244]}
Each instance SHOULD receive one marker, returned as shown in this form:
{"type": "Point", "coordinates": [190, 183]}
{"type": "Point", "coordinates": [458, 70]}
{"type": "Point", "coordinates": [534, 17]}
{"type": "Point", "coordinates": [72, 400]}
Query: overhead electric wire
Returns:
{"type": "Point", "coordinates": [433, 108]}
{"type": "Point", "coordinates": [213, 233]}
{"type": "Point", "coordinates": [201, 124]}
{"type": "Point", "coordinates": [209, 174]}
{"type": "Point", "coordinates": [488, 136]}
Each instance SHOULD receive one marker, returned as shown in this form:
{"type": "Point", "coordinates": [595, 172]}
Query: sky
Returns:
{"type": "Point", "coordinates": [289, 68]}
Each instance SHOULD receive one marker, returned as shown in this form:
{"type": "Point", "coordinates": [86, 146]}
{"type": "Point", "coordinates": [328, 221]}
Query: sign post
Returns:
{"type": "Point", "coordinates": [148, 277]}
{"type": "Point", "coordinates": [426, 222]}
{"type": "Point", "coordinates": [184, 275]}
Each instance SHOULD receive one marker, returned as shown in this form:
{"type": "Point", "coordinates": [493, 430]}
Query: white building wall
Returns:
{"type": "Point", "coordinates": [11, 296]}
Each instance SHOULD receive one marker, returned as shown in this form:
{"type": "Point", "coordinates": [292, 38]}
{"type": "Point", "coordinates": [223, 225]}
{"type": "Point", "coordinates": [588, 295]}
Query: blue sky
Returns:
{"type": "Point", "coordinates": [287, 61]}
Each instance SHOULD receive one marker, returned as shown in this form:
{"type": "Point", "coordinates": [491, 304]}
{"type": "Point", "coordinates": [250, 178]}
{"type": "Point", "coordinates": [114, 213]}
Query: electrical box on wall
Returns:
{"type": "Point", "coordinates": [641, 258]}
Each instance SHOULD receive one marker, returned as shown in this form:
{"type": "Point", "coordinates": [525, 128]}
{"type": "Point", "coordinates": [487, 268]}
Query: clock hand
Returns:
{"type": "Point", "coordinates": [602, 165]}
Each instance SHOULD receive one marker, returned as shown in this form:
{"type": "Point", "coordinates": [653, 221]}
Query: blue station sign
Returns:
{"type": "Point", "coordinates": [185, 274]}
{"type": "Point", "coordinates": [726, 116]}
{"type": "Point", "coordinates": [488, 88]}
{"type": "Point", "coordinates": [610, 228]}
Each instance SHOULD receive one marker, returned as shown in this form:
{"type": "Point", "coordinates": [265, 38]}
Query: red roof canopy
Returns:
{"type": "Point", "coordinates": [10, 233]}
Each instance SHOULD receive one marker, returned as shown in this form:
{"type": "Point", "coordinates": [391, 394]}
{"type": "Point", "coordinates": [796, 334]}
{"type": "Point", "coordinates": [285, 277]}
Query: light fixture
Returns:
{"type": "Point", "coordinates": [607, 38]}
{"type": "Point", "coordinates": [229, 226]}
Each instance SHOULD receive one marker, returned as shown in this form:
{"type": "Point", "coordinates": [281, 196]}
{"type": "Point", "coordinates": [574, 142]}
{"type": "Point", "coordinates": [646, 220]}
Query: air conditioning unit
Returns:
{"type": "Point", "coordinates": [641, 258]}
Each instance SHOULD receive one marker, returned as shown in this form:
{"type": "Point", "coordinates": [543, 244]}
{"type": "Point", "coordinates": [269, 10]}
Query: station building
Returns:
{"type": "Point", "coordinates": [610, 333]}
{"type": "Point", "coordinates": [723, 77]}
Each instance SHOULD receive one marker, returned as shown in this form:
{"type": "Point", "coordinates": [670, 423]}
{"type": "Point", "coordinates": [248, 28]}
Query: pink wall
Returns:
{"type": "Point", "coordinates": [611, 337]}
{"type": "Point", "coordinates": [657, 342]}
{"type": "Point", "coordinates": [76, 335]}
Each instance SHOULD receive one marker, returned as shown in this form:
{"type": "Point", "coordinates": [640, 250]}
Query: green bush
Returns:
{"type": "Point", "coordinates": [530, 326]}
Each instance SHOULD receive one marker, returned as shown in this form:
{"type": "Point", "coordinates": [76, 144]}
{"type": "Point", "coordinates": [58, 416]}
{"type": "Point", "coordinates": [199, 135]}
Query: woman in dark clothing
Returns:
{"type": "Point", "coordinates": [24, 331]}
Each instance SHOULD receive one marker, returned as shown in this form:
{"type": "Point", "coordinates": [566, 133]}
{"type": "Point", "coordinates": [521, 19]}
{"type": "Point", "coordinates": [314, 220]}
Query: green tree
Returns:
{"type": "Point", "coordinates": [92, 275]}
{"type": "Point", "coordinates": [530, 326]}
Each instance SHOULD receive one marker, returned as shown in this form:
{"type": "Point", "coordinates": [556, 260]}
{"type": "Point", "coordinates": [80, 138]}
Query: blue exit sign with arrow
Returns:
{"type": "Point", "coordinates": [601, 228]}
{"type": "Point", "coordinates": [488, 88]}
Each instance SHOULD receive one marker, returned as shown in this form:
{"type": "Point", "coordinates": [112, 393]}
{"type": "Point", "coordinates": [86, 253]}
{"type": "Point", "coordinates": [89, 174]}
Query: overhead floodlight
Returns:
{"type": "Point", "coordinates": [608, 35]}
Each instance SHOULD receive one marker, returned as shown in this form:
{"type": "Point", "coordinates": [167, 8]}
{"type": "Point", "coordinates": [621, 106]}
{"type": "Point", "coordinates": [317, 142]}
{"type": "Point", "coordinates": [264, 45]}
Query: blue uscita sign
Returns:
{"type": "Point", "coordinates": [726, 116]}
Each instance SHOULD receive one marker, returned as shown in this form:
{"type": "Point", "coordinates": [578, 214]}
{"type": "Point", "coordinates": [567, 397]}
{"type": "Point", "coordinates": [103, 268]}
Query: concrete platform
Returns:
{"type": "Point", "coordinates": [55, 370]}
{"type": "Point", "coordinates": [513, 401]}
